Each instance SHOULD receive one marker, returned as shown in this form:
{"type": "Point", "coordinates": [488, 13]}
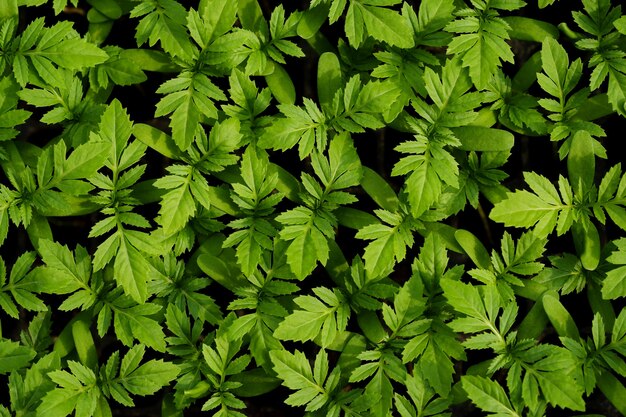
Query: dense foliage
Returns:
{"type": "Point", "coordinates": [326, 208]}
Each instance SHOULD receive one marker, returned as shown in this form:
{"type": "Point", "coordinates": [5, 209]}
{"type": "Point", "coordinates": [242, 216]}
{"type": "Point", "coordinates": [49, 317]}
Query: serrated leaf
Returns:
{"type": "Point", "coordinates": [177, 205]}
{"type": "Point", "coordinates": [295, 371]}
{"type": "Point", "coordinates": [132, 270]}
{"type": "Point", "coordinates": [85, 160]}
{"type": "Point", "coordinates": [150, 377]}
{"type": "Point", "coordinates": [134, 322]}
{"type": "Point", "coordinates": [385, 25]}
{"type": "Point", "coordinates": [423, 188]}
{"type": "Point", "coordinates": [388, 244]}
{"type": "Point", "coordinates": [14, 356]}
{"type": "Point", "coordinates": [326, 318]}
{"type": "Point", "coordinates": [614, 285]}
{"type": "Point", "coordinates": [481, 42]}
{"type": "Point", "coordinates": [488, 395]}
{"type": "Point", "coordinates": [525, 209]}
{"type": "Point", "coordinates": [74, 54]}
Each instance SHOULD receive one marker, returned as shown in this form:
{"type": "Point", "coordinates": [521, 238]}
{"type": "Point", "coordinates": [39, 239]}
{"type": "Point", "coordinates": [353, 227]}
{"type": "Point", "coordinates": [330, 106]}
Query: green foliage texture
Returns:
{"type": "Point", "coordinates": [325, 208]}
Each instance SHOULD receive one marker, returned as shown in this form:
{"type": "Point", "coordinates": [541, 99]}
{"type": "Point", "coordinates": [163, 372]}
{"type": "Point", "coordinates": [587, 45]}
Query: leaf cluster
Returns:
{"type": "Point", "coordinates": [385, 207]}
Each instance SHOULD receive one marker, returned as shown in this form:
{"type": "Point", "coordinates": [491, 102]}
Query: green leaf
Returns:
{"type": "Point", "coordinates": [620, 25]}
{"type": "Point", "coordinates": [149, 60]}
{"type": "Point", "coordinates": [14, 356]}
{"type": "Point", "coordinates": [325, 315]}
{"type": "Point", "coordinates": [73, 54]}
{"type": "Point", "coordinates": [164, 22]}
{"type": "Point", "coordinates": [559, 393]}
{"type": "Point", "coordinates": [22, 286]}
{"type": "Point", "coordinates": [115, 128]}
{"type": "Point", "coordinates": [488, 395]}
{"type": "Point", "coordinates": [85, 160]}
{"type": "Point", "coordinates": [301, 126]}
{"type": "Point", "coordinates": [598, 20]}
{"type": "Point", "coordinates": [157, 140]}
{"type": "Point", "coordinates": [614, 284]}
{"type": "Point", "coordinates": [77, 391]}
{"type": "Point", "coordinates": [257, 201]}
{"type": "Point", "coordinates": [254, 382]}
{"type": "Point", "coordinates": [480, 42]}
{"type": "Point", "coordinates": [42, 47]}
{"type": "Point", "coordinates": [307, 234]}
{"type": "Point", "coordinates": [26, 390]}
{"type": "Point", "coordinates": [84, 343]}
{"type": "Point", "coordinates": [389, 242]}
{"type": "Point", "coordinates": [343, 169]}
{"type": "Point", "coordinates": [379, 190]}
{"type": "Point", "coordinates": [134, 322]}
{"type": "Point", "coordinates": [581, 160]}
{"type": "Point", "coordinates": [132, 270]}
{"type": "Point", "coordinates": [545, 3]}
{"type": "Point", "coordinates": [473, 248]}
{"type": "Point", "coordinates": [118, 69]}
{"type": "Point", "coordinates": [148, 378]}
{"type": "Point", "coordinates": [559, 316]}
{"type": "Point", "coordinates": [561, 76]}
{"type": "Point", "coordinates": [424, 188]}
{"type": "Point", "coordinates": [218, 15]}
{"type": "Point", "coordinates": [483, 139]}
{"type": "Point", "coordinates": [10, 116]}
{"type": "Point", "coordinates": [9, 9]}
{"type": "Point", "coordinates": [311, 21]}
{"type": "Point", "coordinates": [329, 77]}
{"type": "Point", "coordinates": [436, 365]}
{"type": "Point", "coordinates": [587, 243]}
{"type": "Point", "coordinates": [59, 402]}
{"type": "Point", "coordinates": [384, 24]}
{"type": "Point", "coordinates": [541, 209]}
{"type": "Point", "coordinates": [189, 98]}
{"type": "Point", "coordinates": [613, 389]}
{"type": "Point", "coordinates": [295, 371]}
{"type": "Point", "coordinates": [468, 300]}
{"type": "Point", "coordinates": [178, 204]}
{"type": "Point", "coordinates": [281, 85]}
{"type": "Point", "coordinates": [527, 29]}
{"type": "Point", "coordinates": [433, 16]}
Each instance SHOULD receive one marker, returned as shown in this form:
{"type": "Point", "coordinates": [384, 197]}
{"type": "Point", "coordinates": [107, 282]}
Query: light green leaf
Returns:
{"type": "Point", "coordinates": [134, 322]}
{"type": "Point", "coordinates": [424, 188]}
{"type": "Point", "coordinates": [295, 371]}
{"type": "Point", "coordinates": [614, 285]}
{"type": "Point", "coordinates": [177, 205]}
{"type": "Point", "coordinates": [74, 54]}
{"type": "Point", "coordinates": [157, 140]}
{"type": "Point", "coordinates": [115, 128]}
{"type": "Point", "coordinates": [389, 242]}
{"type": "Point", "coordinates": [483, 139]}
{"type": "Point", "coordinates": [14, 356]}
{"type": "Point", "coordinates": [385, 25]}
{"type": "Point", "coordinates": [132, 271]}
{"type": "Point", "coordinates": [488, 395]}
{"type": "Point", "coordinates": [85, 160]}
{"type": "Point", "coordinates": [326, 316]}
{"type": "Point", "coordinates": [150, 377]}
{"type": "Point", "coordinates": [481, 42]}
{"type": "Point", "coordinates": [525, 209]}
{"type": "Point", "coordinates": [308, 244]}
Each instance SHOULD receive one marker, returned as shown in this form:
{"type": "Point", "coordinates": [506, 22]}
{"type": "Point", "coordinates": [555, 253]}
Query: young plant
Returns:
{"type": "Point", "coordinates": [327, 208]}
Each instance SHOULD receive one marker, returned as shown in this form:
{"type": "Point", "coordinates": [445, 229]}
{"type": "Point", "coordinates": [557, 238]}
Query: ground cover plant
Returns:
{"type": "Point", "coordinates": [324, 208]}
